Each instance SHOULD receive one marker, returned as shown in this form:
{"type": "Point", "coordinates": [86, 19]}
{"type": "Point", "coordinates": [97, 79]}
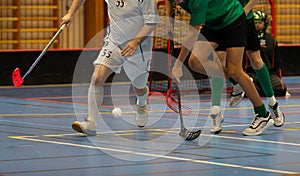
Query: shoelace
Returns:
{"type": "Point", "coordinates": [141, 109]}
{"type": "Point", "coordinates": [254, 121]}
{"type": "Point", "coordinates": [275, 111]}
{"type": "Point", "coordinates": [214, 121]}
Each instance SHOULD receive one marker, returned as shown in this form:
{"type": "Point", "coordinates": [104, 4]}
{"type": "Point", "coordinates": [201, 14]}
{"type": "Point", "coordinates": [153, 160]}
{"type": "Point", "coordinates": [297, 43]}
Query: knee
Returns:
{"type": "Point", "coordinates": [142, 91]}
{"type": "Point", "coordinates": [192, 64]}
{"type": "Point", "coordinates": [234, 73]}
{"type": "Point", "coordinates": [257, 64]}
{"type": "Point", "coordinates": [255, 59]}
{"type": "Point", "coordinates": [196, 65]}
{"type": "Point", "coordinates": [96, 80]}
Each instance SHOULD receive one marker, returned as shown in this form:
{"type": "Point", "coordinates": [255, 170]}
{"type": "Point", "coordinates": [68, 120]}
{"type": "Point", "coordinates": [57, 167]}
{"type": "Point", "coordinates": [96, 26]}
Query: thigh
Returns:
{"type": "Point", "coordinates": [137, 67]}
{"type": "Point", "coordinates": [100, 74]}
{"type": "Point", "coordinates": [234, 58]}
{"type": "Point", "coordinates": [110, 56]}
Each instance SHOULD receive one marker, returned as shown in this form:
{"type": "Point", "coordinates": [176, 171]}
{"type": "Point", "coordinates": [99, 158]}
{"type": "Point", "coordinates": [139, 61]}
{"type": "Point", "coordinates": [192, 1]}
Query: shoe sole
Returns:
{"type": "Point", "coordinates": [77, 127]}
{"type": "Point", "coordinates": [216, 132]}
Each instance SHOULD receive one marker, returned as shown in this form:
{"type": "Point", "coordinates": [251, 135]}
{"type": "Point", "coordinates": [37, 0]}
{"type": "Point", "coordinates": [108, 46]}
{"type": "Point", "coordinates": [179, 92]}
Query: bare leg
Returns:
{"type": "Point", "coordinates": [234, 65]}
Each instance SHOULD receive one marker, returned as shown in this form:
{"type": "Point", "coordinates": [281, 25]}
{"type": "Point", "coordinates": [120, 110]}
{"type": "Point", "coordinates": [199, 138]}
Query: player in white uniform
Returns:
{"type": "Point", "coordinates": [128, 44]}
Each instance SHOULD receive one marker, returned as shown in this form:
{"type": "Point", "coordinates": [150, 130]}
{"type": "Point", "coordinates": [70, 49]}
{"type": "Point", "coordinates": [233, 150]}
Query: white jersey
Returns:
{"type": "Point", "coordinates": [127, 17]}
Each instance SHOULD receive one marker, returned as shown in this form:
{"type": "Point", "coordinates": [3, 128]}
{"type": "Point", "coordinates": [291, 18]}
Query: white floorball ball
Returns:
{"type": "Point", "coordinates": [117, 112]}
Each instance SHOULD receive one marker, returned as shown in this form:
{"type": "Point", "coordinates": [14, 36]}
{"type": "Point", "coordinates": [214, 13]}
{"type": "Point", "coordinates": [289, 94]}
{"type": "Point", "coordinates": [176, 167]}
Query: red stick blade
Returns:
{"type": "Point", "coordinates": [16, 78]}
{"type": "Point", "coordinates": [173, 104]}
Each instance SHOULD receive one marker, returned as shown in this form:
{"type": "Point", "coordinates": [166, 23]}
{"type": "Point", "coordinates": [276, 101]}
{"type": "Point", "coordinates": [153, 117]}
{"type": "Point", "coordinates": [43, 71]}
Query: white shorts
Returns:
{"type": "Point", "coordinates": [136, 67]}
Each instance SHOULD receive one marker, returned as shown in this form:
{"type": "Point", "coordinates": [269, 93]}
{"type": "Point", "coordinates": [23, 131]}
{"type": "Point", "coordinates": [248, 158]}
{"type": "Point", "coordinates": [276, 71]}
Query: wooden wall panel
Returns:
{"type": "Point", "coordinates": [95, 21]}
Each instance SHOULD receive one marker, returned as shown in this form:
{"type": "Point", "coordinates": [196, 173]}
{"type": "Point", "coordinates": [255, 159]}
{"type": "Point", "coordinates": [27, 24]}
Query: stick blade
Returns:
{"type": "Point", "coordinates": [189, 135]}
{"type": "Point", "coordinates": [16, 78]}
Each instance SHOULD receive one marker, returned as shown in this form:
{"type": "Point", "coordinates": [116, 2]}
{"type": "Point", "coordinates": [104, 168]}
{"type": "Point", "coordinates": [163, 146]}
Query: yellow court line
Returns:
{"type": "Point", "coordinates": [126, 134]}
{"type": "Point", "coordinates": [161, 156]}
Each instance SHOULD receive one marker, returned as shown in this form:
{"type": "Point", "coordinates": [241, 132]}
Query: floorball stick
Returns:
{"type": "Point", "coordinates": [16, 75]}
{"type": "Point", "coordinates": [185, 133]}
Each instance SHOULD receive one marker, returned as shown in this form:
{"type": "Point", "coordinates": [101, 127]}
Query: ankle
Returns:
{"type": "Point", "coordinates": [271, 100]}
{"type": "Point", "coordinates": [215, 110]}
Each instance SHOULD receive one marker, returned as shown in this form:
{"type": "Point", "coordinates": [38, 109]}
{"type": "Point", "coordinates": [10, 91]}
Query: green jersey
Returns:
{"type": "Point", "coordinates": [244, 3]}
{"type": "Point", "coordinates": [215, 14]}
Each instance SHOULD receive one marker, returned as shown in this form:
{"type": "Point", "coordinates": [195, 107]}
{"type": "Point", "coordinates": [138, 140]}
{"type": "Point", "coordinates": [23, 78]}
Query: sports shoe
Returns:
{"type": "Point", "coordinates": [86, 127]}
{"type": "Point", "coordinates": [216, 126]}
{"type": "Point", "coordinates": [236, 95]}
{"type": "Point", "coordinates": [277, 115]}
{"type": "Point", "coordinates": [258, 125]}
{"type": "Point", "coordinates": [141, 117]}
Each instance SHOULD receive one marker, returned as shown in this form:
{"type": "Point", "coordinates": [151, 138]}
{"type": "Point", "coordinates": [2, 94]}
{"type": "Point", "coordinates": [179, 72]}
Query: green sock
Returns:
{"type": "Point", "coordinates": [263, 78]}
{"type": "Point", "coordinates": [217, 85]}
{"type": "Point", "coordinates": [261, 111]}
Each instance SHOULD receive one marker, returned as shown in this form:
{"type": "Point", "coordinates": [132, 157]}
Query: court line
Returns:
{"type": "Point", "coordinates": [258, 140]}
{"type": "Point", "coordinates": [170, 131]}
{"type": "Point", "coordinates": [159, 156]}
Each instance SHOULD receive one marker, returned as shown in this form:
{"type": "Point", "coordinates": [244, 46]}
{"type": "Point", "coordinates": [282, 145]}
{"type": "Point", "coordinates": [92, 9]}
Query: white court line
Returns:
{"type": "Point", "coordinates": [160, 156]}
{"type": "Point", "coordinates": [257, 140]}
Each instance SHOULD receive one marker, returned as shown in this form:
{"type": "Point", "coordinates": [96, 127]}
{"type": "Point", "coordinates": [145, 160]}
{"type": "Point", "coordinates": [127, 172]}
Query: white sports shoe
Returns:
{"type": "Point", "coordinates": [237, 95]}
{"type": "Point", "coordinates": [277, 115]}
{"type": "Point", "coordinates": [216, 126]}
{"type": "Point", "coordinates": [258, 125]}
{"type": "Point", "coordinates": [141, 118]}
{"type": "Point", "coordinates": [86, 127]}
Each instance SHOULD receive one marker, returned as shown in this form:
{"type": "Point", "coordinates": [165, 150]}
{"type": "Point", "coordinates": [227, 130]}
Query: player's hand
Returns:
{"type": "Point", "coordinates": [130, 48]}
{"type": "Point", "coordinates": [177, 71]}
{"type": "Point", "coordinates": [67, 19]}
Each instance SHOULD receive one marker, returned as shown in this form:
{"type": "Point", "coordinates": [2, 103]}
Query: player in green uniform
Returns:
{"type": "Point", "coordinates": [223, 24]}
{"type": "Point", "coordinates": [253, 51]}
{"type": "Point", "coordinates": [262, 73]}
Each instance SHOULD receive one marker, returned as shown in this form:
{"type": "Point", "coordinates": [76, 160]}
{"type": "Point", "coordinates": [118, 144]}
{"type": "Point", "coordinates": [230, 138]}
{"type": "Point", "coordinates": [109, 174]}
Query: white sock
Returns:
{"type": "Point", "coordinates": [141, 100]}
{"type": "Point", "coordinates": [271, 100]}
{"type": "Point", "coordinates": [215, 109]}
{"type": "Point", "coordinates": [95, 98]}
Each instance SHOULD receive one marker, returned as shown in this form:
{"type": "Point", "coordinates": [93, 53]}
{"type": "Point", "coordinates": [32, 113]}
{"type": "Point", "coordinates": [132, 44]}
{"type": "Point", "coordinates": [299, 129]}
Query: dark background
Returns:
{"type": "Point", "coordinates": [57, 66]}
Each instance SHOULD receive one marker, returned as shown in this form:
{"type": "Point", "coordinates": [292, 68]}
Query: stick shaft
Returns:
{"type": "Point", "coordinates": [44, 51]}
{"type": "Point", "coordinates": [182, 127]}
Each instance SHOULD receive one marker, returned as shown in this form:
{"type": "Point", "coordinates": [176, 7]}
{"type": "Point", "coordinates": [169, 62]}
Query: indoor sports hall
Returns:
{"type": "Point", "coordinates": [44, 79]}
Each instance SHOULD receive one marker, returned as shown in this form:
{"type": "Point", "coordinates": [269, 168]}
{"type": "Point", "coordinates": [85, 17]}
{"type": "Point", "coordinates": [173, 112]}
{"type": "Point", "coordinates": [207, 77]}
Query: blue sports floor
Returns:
{"type": "Point", "coordinates": [36, 138]}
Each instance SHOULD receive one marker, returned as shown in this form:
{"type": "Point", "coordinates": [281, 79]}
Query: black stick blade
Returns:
{"type": "Point", "coordinates": [189, 135]}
